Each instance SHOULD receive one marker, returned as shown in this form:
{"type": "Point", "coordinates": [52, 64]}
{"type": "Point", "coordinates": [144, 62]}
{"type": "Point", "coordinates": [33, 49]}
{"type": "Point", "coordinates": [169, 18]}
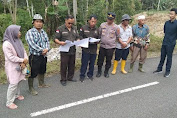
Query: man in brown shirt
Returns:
{"type": "Point", "coordinates": [63, 33]}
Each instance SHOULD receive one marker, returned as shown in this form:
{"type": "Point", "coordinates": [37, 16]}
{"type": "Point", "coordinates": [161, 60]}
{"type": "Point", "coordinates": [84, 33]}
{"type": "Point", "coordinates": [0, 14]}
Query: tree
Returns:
{"type": "Point", "coordinates": [75, 10]}
{"type": "Point", "coordinates": [12, 6]}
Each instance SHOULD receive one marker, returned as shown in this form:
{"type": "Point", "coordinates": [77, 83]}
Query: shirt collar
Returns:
{"type": "Point", "coordinates": [139, 26]}
{"type": "Point", "coordinates": [127, 27]}
{"type": "Point", "coordinates": [172, 21]}
{"type": "Point", "coordinates": [111, 24]}
{"type": "Point", "coordinates": [66, 27]}
{"type": "Point", "coordinates": [90, 27]}
{"type": "Point", "coordinates": [35, 30]}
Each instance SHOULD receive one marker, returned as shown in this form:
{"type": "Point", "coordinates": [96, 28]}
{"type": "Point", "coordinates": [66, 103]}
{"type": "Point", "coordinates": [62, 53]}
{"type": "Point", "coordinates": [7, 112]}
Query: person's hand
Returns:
{"type": "Point", "coordinates": [23, 66]}
{"type": "Point", "coordinates": [25, 61]}
{"type": "Point", "coordinates": [62, 43]}
{"type": "Point", "coordinates": [138, 41]}
{"type": "Point", "coordinates": [44, 52]}
{"type": "Point", "coordinates": [124, 45]}
{"type": "Point", "coordinates": [146, 47]}
{"type": "Point", "coordinates": [131, 48]}
{"type": "Point", "coordinates": [78, 39]}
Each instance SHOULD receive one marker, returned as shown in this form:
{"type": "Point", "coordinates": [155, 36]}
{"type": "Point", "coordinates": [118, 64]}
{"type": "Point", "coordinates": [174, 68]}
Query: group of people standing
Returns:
{"type": "Point", "coordinates": [120, 39]}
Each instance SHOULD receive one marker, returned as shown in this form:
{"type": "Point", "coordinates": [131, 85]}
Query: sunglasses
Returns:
{"type": "Point", "coordinates": [70, 23]}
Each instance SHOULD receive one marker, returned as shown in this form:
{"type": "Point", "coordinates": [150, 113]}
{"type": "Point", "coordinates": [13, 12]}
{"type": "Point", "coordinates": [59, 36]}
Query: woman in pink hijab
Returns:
{"type": "Point", "coordinates": [15, 60]}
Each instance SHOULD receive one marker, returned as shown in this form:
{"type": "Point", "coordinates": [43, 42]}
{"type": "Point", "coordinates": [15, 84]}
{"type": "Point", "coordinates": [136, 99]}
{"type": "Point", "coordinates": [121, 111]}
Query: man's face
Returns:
{"type": "Point", "coordinates": [172, 15]}
{"type": "Point", "coordinates": [110, 21]}
{"type": "Point", "coordinates": [38, 24]}
{"type": "Point", "coordinates": [141, 21]}
{"type": "Point", "coordinates": [69, 22]}
{"type": "Point", "coordinates": [125, 22]}
{"type": "Point", "coordinates": [92, 22]}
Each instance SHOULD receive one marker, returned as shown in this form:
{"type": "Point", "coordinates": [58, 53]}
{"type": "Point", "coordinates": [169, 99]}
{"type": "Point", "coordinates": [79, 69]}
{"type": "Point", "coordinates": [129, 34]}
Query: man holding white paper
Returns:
{"type": "Point", "coordinates": [89, 54]}
{"type": "Point", "coordinates": [64, 33]}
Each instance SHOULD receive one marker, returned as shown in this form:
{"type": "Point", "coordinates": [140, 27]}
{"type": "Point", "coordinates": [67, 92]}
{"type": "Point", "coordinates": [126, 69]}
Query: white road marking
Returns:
{"type": "Point", "coordinates": [65, 106]}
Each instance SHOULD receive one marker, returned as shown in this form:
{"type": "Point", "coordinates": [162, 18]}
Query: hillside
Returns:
{"type": "Point", "coordinates": [155, 21]}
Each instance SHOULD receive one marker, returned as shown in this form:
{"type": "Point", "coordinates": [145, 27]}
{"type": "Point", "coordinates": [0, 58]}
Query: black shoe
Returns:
{"type": "Point", "coordinates": [91, 78]}
{"type": "Point", "coordinates": [98, 74]}
{"type": "Point", "coordinates": [82, 79]}
{"type": "Point", "coordinates": [106, 75]}
{"type": "Point", "coordinates": [157, 71]}
{"type": "Point", "coordinates": [63, 83]}
{"type": "Point", "coordinates": [167, 74]}
{"type": "Point", "coordinates": [73, 80]}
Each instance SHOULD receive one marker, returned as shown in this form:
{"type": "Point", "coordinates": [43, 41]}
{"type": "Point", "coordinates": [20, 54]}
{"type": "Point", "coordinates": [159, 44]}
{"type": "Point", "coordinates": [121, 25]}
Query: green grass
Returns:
{"type": "Point", "coordinates": [155, 44]}
{"type": "Point", "coordinates": [3, 78]}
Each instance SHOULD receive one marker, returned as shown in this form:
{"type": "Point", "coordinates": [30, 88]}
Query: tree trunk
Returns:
{"type": "Point", "coordinates": [32, 9]}
{"type": "Point", "coordinates": [158, 7]}
{"type": "Point", "coordinates": [27, 5]}
{"type": "Point", "coordinates": [4, 5]}
{"type": "Point", "coordinates": [75, 10]}
{"type": "Point", "coordinates": [113, 4]}
{"type": "Point", "coordinates": [69, 12]}
{"type": "Point", "coordinates": [46, 10]}
{"type": "Point", "coordinates": [86, 16]}
{"type": "Point", "coordinates": [107, 3]}
{"type": "Point", "coordinates": [15, 12]}
{"type": "Point", "coordinates": [12, 6]}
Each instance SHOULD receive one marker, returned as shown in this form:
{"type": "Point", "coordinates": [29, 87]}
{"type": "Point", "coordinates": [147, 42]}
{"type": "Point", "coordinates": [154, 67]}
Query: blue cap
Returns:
{"type": "Point", "coordinates": [111, 15]}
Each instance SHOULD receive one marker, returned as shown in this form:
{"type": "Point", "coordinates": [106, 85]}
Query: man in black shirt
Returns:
{"type": "Point", "coordinates": [63, 33]}
{"type": "Point", "coordinates": [169, 42]}
{"type": "Point", "coordinates": [89, 54]}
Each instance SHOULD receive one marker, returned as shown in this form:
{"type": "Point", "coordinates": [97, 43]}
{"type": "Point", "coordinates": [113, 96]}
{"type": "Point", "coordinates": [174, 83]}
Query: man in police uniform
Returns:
{"type": "Point", "coordinates": [89, 54]}
{"type": "Point", "coordinates": [108, 33]}
{"type": "Point", "coordinates": [63, 33]}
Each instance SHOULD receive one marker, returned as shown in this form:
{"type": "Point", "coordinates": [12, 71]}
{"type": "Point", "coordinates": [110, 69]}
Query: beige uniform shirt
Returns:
{"type": "Point", "coordinates": [109, 35]}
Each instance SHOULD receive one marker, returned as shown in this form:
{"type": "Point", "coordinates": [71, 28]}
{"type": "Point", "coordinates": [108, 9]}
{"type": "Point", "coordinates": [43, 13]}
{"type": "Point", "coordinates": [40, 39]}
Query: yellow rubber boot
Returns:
{"type": "Point", "coordinates": [123, 62]}
{"type": "Point", "coordinates": [114, 67]}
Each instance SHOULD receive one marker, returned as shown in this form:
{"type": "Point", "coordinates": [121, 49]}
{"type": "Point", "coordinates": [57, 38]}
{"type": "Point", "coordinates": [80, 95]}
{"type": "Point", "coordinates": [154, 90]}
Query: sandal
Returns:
{"type": "Point", "coordinates": [12, 106]}
{"type": "Point", "coordinates": [20, 98]}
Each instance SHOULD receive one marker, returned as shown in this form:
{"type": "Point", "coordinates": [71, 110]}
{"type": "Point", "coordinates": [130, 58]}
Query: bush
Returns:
{"type": "Point", "coordinates": [155, 44]}
{"type": "Point", "coordinates": [3, 77]}
{"type": "Point", "coordinates": [5, 21]}
{"type": "Point", "coordinates": [25, 21]}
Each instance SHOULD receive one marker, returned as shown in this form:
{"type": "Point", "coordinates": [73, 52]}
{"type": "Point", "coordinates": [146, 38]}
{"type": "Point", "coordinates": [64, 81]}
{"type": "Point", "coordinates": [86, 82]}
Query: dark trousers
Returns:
{"type": "Point", "coordinates": [166, 50]}
{"type": "Point", "coordinates": [67, 66]}
{"type": "Point", "coordinates": [87, 58]}
{"type": "Point", "coordinates": [37, 65]}
{"type": "Point", "coordinates": [121, 54]}
{"type": "Point", "coordinates": [108, 53]}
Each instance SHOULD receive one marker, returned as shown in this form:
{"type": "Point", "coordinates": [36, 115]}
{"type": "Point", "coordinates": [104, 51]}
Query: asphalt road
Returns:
{"type": "Point", "coordinates": [156, 101]}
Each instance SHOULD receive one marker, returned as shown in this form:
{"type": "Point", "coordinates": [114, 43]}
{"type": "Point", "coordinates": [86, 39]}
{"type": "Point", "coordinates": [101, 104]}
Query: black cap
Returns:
{"type": "Point", "coordinates": [111, 15]}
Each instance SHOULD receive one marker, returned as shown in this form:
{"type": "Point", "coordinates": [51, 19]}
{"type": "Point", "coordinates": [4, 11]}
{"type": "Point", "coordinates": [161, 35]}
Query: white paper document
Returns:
{"type": "Point", "coordinates": [66, 47]}
{"type": "Point", "coordinates": [82, 43]}
{"type": "Point", "coordinates": [93, 40]}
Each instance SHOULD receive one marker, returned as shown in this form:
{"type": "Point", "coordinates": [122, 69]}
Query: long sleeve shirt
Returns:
{"type": "Point", "coordinates": [170, 30]}
{"type": "Point", "coordinates": [37, 41]}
